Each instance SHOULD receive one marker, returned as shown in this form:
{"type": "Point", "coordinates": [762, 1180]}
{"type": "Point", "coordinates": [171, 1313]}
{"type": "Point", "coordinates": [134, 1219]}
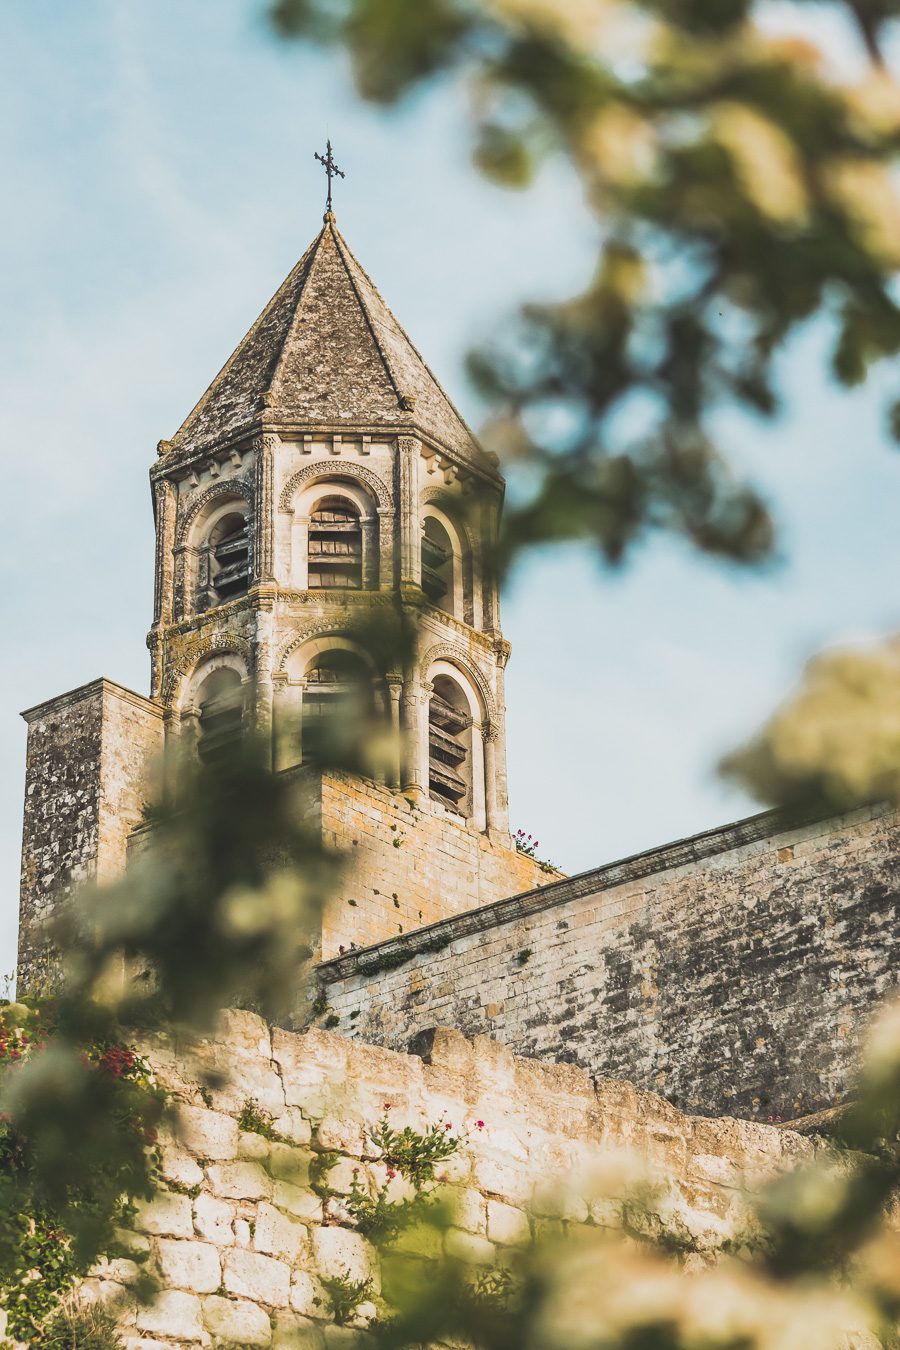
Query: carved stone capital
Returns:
{"type": "Point", "coordinates": [502, 651]}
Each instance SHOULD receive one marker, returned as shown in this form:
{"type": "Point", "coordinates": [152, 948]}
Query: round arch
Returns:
{"type": "Point", "coordinates": [229, 489]}
{"type": "Point", "coordinates": [455, 656]}
{"type": "Point", "coordinates": [324, 470]}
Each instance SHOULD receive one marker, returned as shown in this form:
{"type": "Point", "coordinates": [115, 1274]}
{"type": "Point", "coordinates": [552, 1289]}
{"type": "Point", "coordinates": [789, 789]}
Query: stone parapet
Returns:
{"type": "Point", "coordinates": [733, 971]}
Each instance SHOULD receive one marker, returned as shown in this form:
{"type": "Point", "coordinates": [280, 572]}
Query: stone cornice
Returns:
{"type": "Point", "coordinates": [62, 701]}
{"type": "Point", "coordinates": [171, 461]}
{"type": "Point", "coordinates": [766, 826]}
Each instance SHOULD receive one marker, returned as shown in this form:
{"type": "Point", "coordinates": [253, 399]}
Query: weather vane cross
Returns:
{"type": "Point", "coordinates": [331, 169]}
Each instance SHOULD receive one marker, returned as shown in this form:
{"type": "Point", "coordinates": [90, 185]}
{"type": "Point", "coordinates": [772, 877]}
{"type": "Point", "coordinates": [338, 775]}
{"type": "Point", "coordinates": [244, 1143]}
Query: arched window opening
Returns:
{"type": "Point", "coordinates": [224, 572]}
{"type": "Point", "coordinates": [221, 710]}
{"type": "Point", "coordinates": [449, 746]}
{"type": "Point", "coordinates": [335, 546]}
{"type": "Point", "coordinates": [337, 707]}
{"type": "Point", "coordinates": [437, 564]}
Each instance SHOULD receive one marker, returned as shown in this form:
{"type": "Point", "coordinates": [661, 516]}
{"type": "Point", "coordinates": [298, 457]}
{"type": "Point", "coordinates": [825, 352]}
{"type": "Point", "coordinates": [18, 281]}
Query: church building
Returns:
{"type": "Point", "coordinates": [323, 479]}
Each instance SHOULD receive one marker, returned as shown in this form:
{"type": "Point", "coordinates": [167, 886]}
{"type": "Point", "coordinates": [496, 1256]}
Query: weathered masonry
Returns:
{"type": "Point", "coordinates": [733, 972]}
{"type": "Point", "coordinates": [324, 485]}
{"type": "Point", "coordinates": [324, 480]}
{"type": "Point", "coordinates": [245, 1232]}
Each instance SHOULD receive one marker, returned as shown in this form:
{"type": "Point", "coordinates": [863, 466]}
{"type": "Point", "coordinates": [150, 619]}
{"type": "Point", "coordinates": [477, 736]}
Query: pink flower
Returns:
{"type": "Point", "coordinates": [536, 844]}
{"type": "Point", "coordinates": [391, 1173]}
{"type": "Point", "coordinates": [448, 1126]}
{"type": "Point", "coordinates": [387, 1106]}
{"type": "Point", "coordinates": [479, 1124]}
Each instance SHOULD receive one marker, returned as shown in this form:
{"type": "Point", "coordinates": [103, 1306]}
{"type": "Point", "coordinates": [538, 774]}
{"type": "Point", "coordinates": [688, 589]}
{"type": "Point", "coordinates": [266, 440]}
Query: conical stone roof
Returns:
{"type": "Point", "coordinates": [326, 350]}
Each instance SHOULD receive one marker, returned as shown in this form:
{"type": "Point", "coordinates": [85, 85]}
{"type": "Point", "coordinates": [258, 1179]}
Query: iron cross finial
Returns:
{"type": "Point", "coordinates": [331, 169]}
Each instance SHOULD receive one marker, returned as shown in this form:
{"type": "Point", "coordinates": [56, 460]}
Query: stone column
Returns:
{"type": "Point", "coordinates": [261, 675]}
{"type": "Point", "coordinates": [490, 522]}
{"type": "Point", "coordinates": [287, 710]}
{"type": "Point", "coordinates": [185, 581]}
{"type": "Point", "coordinates": [410, 543]}
{"type": "Point", "coordinates": [165, 501]}
{"type": "Point", "coordinates": [412, 781]}
{"type": "Point", "coordinates": [492, 813]}
{"type": "Point", "coordinates": [395, 690]}
{"type": "Point", "coordinates": [387, 548]}
{"type": "Point", "coordinates": [264, 550]}
{"type": "Point", "coordinates": [500, 822]}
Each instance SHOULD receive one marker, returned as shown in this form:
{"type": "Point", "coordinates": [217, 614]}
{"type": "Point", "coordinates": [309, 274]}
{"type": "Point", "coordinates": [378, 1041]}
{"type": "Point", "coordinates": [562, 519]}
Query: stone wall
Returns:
{"type": "Point", "coordinates": [731, 972]}
{"type": "Point", "coordinates": [240, 1239]}
{"type": "Point", "coordinates": [88, 756]}
{"type": "Point", "coordinates": [408, 865]}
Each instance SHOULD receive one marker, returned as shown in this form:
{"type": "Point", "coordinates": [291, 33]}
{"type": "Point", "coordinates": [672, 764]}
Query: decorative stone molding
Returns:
{"type": "Point", "coordinates": [228, 487]}
{"type": "Point", "coordinates": [448, 651]}
{"type": "Point", "coordinates": [265, 447]}
{"type": "Point", "coordinates": [502, 651]}
{"type": "Point", "coordinates": [328, 469]}
{"type": "Point", "coordinates": [332, 629]}
{"type": "Point", "coordinates": [213, 645]}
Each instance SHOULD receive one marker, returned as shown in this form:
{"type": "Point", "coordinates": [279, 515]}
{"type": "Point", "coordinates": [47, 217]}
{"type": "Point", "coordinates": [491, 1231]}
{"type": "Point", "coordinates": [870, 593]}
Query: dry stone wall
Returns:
{"type": "Point", "coordinates": [733, 972]}
{"type": "Point", "coordinates": [247, 1228]}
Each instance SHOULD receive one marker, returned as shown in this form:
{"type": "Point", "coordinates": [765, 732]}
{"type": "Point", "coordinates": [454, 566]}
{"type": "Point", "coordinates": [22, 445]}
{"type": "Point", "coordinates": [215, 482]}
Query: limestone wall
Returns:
{"type": "Point", "coordinates": [241, 1238]}
{"type": "Point", "coordinates": [88, 755]}
{"type": "Point", "coordinates": [732, 972]}
{"type": "Point", "coordinates": [408, 865]}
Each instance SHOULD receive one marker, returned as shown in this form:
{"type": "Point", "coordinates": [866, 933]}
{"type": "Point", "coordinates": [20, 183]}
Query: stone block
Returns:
{"type": "Point", "coordinates": [213, 1219]}
{"type": "Point", "coordinates": [340, 1251]}
{"type": "Point", "coordinates": [293, 1126]}
{"type": "Point", "coordinates": [469, 1210]}
{"type": "Point", "coordinates": [180, 1167]}
{"type": "Point", "coordinates": [236, 1322]}
{"type": "Point", "coordinates": [254, 1276]}
{"type": "Point", "coordinates": [278, 1235]}
{"type": "Point", "coordinates": [468, 1247]}
{"type": "Point", "coordinates": [500, 1178]}
{"type": "Point", "coordinates": [173, 1314]}
{"type": "Point", "coordinates": [341, 1134]}
{"type": "Point", "coordinates": [240, 1181]}
{"type": "Point", "coordinates": [207, 1134]}
{"type": "Point", "coordinates": [166, 1215]}
{"type": "Point", "coordinates": [296, 1333]}
{"type": "Point", "coordinates": [307, 1294]}
{"type": "Point", "coordinates": [287, 1163]}
{"type": "Point", "coordinates": [120, 1269]}
{"type": "Point", "coordinates": [189, 1265]}
{"type": "Point", "coordinates": [252, 1147]}
{"type": "Point", "coordinates": [297, 1200]}
{"type": "Point", "coordinates": [507, 1225]}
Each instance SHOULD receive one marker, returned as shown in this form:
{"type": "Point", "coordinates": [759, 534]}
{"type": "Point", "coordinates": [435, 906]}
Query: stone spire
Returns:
{"type": "Point", "coordinates": [326, 351]}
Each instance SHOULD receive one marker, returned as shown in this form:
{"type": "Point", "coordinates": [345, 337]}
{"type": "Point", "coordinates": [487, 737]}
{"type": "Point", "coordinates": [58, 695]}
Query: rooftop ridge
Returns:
{"type": "Point", "coordinates": [343, 249]}
{"type": "Point", "coordinates": [304, 261]}
{"type": "Point", "coordinates": [413, 348]}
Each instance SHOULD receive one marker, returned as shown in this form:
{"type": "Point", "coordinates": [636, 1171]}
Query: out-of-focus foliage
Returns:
{"type": "Point", "coordinates": [79, 1326]}
{"type": "Point", "coordinates": [740, 186]}
{"type": "Point", "coordinates": [77, 1133]}
{"type": "Point", "coordinates": [836, 741]}
{"type": "Point", "coordinates": [219, 909]}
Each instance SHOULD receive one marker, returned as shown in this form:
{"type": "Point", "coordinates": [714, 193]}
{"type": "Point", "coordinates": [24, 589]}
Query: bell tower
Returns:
{"type": "Point", "coordinates": [325, 473]}
{"type": "Point", "coordinates": [322, 484]}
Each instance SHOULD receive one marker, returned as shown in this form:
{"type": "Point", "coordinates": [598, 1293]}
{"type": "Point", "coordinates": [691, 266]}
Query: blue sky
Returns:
{"type": "Point", "coordinates": [158, 174]}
